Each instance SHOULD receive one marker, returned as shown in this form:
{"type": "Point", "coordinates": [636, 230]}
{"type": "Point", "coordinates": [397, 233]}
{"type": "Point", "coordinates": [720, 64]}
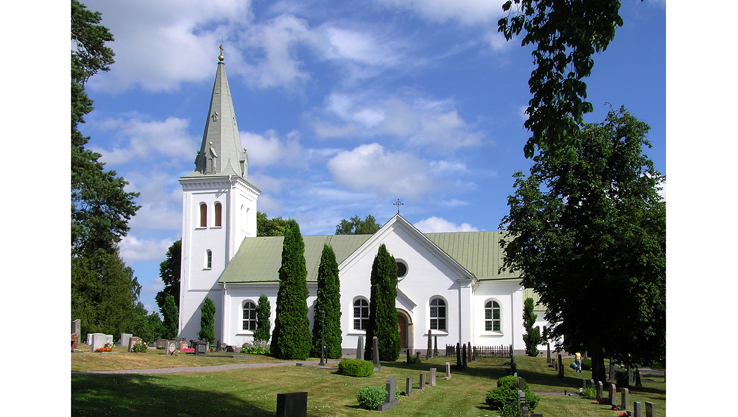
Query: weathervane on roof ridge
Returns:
{"type": "Point", "coordinates": [221, 57]}
{"type": "Point", "coordinates": [398, 204]}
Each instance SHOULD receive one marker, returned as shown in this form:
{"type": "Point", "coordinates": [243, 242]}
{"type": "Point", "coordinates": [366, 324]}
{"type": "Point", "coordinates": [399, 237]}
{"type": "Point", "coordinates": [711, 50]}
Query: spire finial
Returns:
{"type": "Point", "coordinates": [398, 204]}
{"type": "Point", "coordinates": [221, 57]}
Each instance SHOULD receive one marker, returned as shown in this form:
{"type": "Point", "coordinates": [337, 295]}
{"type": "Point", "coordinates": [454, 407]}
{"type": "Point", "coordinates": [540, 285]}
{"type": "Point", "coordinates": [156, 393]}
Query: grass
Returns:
{"type": "Point", "coordinates": [253, 392]}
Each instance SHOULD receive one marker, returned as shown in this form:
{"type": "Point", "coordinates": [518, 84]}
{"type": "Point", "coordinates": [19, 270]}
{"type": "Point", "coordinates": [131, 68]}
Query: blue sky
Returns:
{"type": "Point", "coordinates": [344, 107]}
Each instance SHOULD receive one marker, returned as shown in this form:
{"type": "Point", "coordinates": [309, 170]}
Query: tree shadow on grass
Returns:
{"type": "Point", "coordinates": [96, 395]}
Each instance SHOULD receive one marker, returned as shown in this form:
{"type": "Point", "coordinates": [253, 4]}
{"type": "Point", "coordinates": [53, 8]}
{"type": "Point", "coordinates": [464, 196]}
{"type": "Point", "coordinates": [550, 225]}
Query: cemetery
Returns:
{"type": "Point", "coordinates": [435, 385]}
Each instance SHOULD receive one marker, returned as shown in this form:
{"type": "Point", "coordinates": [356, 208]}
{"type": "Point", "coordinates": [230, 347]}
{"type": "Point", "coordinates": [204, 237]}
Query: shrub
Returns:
{"type": "Point", "coordinates": [356, 367]}
{"type": "Point", "coordinates": [586, 364]}
{"type": "Point", "coordinates": [414, 360]}
{"type": "Point", "coordinates": [507, 391]}
{"type": "Point", "coordinates": [589, 392]}
{"type": "Point", "coordinates": [371, 397]}
{"type": "Point", "coordinates": [254, 350]}
{"type": "Point", "coordinates": [511, 409]}
{"type": "Point", "coordinates": [140, 347]}
{"type": "Point", "coordinates": [621, 378]}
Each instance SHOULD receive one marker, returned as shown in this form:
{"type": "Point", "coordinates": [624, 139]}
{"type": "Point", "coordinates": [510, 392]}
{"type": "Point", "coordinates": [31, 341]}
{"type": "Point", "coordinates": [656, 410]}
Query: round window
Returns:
{"type": "Point", "coordinates": [401, 269]}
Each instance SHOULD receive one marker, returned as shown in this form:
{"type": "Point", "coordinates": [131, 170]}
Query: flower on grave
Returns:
{"type": "Point", "coordinates": [615, 408]}
{"type": "Point", "coordinates": [623, 415]}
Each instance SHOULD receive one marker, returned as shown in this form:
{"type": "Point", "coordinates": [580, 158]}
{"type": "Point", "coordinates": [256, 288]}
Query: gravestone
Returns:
{"type": "Point", "coordinates": [422, 381]}
{"type": "Point", "coordinates": [474, 353]}
{"type": "Point", "coordinates": [584, 384]}
{"type": "Point", "coordinates": [548, 353]}
{"type": "Point", "coordinates": [560, 367]}
{"type": "Point", "coordinates": [592, 383]}
{"type": "Point", "coordinates": [611, 394]}
{"type": "Point", "coordinates": [132, 342]}
{"type": "Point", "coordinates": [553, 365]}
{"type": "Point", "coordinates": [463, 357]}
{"type": "Point", "coordinates": [417, 355]}
{"type": "Point", "coordinates": [170, 347]}
{"type": "Point", "coordinates": [625, 398]}
{"type": "Point", "coordinates": [429, 350]}
{"type": "Point", "coordinates": [408, 356]}
{"type": "Point", "coordinates": [458, 356]}
{"type": "Point", "coordinates": [432, 377]}
{"type": "Point", "coordinates": [448, 371]}
{"type": "Point", "coordinates": [611, 374]}
{"type": "Point", "coordinates": [201, 347]}
{"type": "Point", "coordinates": [75, 341]}
{"type": "Point", "coordinates": [109, 339]}
{"type": "Point", "coordinates": [77, 328]}
{"type": "Point", "coordinates": [521, 384]}
{"type": "Point", "coordinates": [524, 412]}
{"type": "Point", "coordinates": [435, 345]}
{"type": "Point", "coordinates": [390, 400]}
{"type": "Point", "coordinates": [88, 342]}
{"type": "Point", "coordinates": [183, 345]}
{"type": "Point", "coordinates": [650, 409]}
{"type": "Point", "coordinates": [217, 345]}
{"type": "Point", "coordinates": [360, 348]}
{"type": "Point", "coordinates": [375, 354]}
{"type": "Point", "coordinates": [599, 389]}
{"type": "Point", "coordinates": [222, 347]}
{"type": "Point", "coordinates": [124, 338]}
{"type": "Point", "coordinates": [292, 404]}
{"type": "Point", "coordinates": [409, 386]}
{"type": "Point", "coordinates": [468, 351]}
{"type": "Point", "coordinates": [98, 341]}
{"type": "Point", "coordinates": [637, 412]}
{"type": "Point", "coordinates": [160, 343]}
{"type": "Point", "coordinates": [630, 375]}
{"type": "Point", "coordinates": [232, 349]}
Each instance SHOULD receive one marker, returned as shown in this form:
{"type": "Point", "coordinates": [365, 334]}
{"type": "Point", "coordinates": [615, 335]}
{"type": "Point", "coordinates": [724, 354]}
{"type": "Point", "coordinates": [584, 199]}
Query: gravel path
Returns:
{"type": "Point", "coordinates": [204, 368]}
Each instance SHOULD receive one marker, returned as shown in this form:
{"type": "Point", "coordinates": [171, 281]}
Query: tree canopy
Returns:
{"type": "Point", "coordinates": [588, 234]}
{"type": "Point", "coordinates": [169, 271]}
{"type": "Point", "coordinates": [356, 226]}
{"type": "Point", "coordinates": [269, 227]}
{"type": "Point", "coordinates": [565, 34]}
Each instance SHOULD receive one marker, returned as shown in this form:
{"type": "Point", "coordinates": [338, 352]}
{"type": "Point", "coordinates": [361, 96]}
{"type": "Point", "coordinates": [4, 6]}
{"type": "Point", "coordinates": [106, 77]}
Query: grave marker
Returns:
{"type": "Point", "coordinates": [521, 384]}
{"type": "Point", "coordinates": [625, 398]}
{"type": "Point", "coordinates": [433, 377]}
{"type": "Point", "coordinates": [170, 347]}
{"type": "Point", "coordinates": [360, 348]}
{"type": "Point", "coordinates": [599, 389]}
{"type": "Point", "coordinates": [422, 381]}
{"type": "Point", "coordinates": [548, 353]}
{"type": "Point", "coordinates": [524, 412]}
{"type": "Point", "coordinates": [463, 357]}
{"type": "Point", "coordinates": [636, 409]}
{"type": "Point", "coordinates": [650, 409]}
{"type": "Point", "coordinates": [390, 400]}
{"type": "Point", "coordinates": [429, 350]}
{"type": "Point", "coordinates": [448, 371]}
{"type": "Point", "coordinates": [435, 345]}
{"type": "Point", "coordinates": [560, 367]}
{"type": "Point", "coordinates": [469, 352]}
{"type": "Point", "coordinates": [409, 386]}
{"type": "Point", "coordinates": [98, 341]}
{"type": "Point", "coordinates": [77, 328]}
{"type": "Point", "coordinates": [292, 404]}
{"type": "Point", "coordinates": [375, 354]}
{"type": "Point", "coordinates": [183, 345]}
{"type": "Point", "coordinates": [124, 338]}
{"type": "Point", "coordinates": [74, 341]}
{"type": "Point", "coordinates": [458, 356]}
{"type": "Point", "coordinates": [132, 342]}
{"type": "Point", "coordinates": [611, 396]}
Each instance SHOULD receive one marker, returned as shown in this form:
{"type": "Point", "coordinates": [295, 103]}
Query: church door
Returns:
{"type": "Point", "coordinates": [402, 329]}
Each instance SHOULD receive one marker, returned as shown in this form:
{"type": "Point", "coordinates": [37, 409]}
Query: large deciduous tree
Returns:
{"type": "Point", "coordinates": [291, 336]}
{"type": "Point", "coordinates": [269, 227]}
{"type": "Point", "coordinates": [356, 226]}
{"type": "Point", "coordinates": [329, 300]}
{"type": "Point", "coordinates": [565, 34]}
{"type": "Point", "coordinates": [104, 291]}
{"type": "Point", "coordinates": [382, 312]}
{"type": "Point", "coordinates": [588, 234]}
{"type": "Point", "coordinates": [169, 271]}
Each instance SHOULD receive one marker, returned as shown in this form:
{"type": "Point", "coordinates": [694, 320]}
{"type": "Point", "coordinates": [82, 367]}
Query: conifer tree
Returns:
{"type": "Point", "coordinates": [291, 336]}
{"type": "Point", "coordinates": [382, 312]}
{"type": "Point", "coordinates": [171, 318]}
{"type": "Point", "coordinates": [263, 325]}
{"type": "Point", "coordinates": [207, 321]}
{"type": "Point", "coordinates": [329, 300]}
{"type": "Point", "coordinates": [532, 336]}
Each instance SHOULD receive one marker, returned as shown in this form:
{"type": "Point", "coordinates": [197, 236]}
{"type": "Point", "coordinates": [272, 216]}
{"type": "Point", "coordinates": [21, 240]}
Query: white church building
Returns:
{"type": "Point", "coordinates": [447, 282]}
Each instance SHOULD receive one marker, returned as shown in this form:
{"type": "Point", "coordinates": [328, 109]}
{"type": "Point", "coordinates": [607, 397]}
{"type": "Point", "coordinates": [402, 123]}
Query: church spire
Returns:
{"type": "Point", "coordinates": [220, 152]}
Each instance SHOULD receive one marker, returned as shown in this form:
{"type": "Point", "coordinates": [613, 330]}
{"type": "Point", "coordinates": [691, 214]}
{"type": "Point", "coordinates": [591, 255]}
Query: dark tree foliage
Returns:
{"type": "Point", "coordinates": [207, 321]}
{"type": "Point", "coordinates": [169, 271]}
{"type": "Point", "coordinates": [329, 300]}
{"type": "Point", "coordinates": [263, 324]}
{"type": "Point", "coordinates": [140, 325]}
{"type": "Point", "coordinates": [356, 226]}
{"type": "Point", "coordinates": [382, 312]}
{"type": "Point", "coordinates": [104, 293]}
{"type": "Point", "coordinates": [565, 34]}
{"type": "Point", "coordinates": [532, 336]}
{"type": "Point", "coordinates": [103, 289]}
{"type": "Point", "coordinates": [269, 227]}
{"type": "Point", "coordinates": [291, 336]}
{"type": "Point", "coordinates": [170, 324]}
{"type": "Point", "coordinates": [589, 236]}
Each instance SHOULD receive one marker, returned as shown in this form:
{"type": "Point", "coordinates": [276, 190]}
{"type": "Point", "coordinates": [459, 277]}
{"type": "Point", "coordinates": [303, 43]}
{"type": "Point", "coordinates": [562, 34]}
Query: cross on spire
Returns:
{"type": "Point", "coordinates": [398, 204]}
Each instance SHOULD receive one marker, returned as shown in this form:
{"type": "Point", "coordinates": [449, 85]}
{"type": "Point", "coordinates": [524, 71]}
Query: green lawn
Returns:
{"type": "Point", "coordinates": [253, 392]}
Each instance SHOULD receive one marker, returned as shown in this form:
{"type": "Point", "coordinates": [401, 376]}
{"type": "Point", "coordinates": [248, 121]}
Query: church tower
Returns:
{"type": "Point", "coordinates": [219, 209]}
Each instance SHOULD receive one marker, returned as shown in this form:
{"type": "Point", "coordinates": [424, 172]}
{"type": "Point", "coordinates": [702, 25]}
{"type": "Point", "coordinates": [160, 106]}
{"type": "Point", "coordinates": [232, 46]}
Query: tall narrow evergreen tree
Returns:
{"type": "Point", "coordinates": [207, 321]}
{"type": "Point", "coordinates": [171, 318]}
{"type": "Point", "coordinates": [382, 312]}
{"type": "Point", "coordinates": [532, 336]}
{"type": "Point", "coordinates": [263, 325]}
{"type": "Point", "coordinates": [291, 336]}
{"type": "Point", "coordinates": [329, 299]}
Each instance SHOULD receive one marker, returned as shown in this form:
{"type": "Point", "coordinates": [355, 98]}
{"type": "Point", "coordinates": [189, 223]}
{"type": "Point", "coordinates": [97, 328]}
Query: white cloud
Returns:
{"type": "Point", "coordinates": [133, 249]}
{"type": "Point", "coordinates": [464, 11]}
{"type": "Point", "coordinates": [453, 203]}
{"type": "Point", "coordinates": [372, 167]}
{"type": "Point", "coordinates": [147, 140]}
{"type": "Point", "coordinates": [268, 149]}
{"type": "Point", "coordinates": [497, 41]}
{"type": "Point", "coordinates": [439, 225]}
{"type": "Point", "coordinates": [328, 130]}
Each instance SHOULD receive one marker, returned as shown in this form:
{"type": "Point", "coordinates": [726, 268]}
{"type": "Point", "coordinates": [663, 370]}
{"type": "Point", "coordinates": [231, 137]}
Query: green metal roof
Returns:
{"type": "Point", "coordinates": [259, 258]}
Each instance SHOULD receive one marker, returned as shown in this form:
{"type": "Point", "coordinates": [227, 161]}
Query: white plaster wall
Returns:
{"type": "Point", "coordinates": [510, 297]}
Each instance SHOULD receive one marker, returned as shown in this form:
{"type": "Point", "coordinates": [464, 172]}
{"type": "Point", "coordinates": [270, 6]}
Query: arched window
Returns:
{"type": "Point", "coordinates": [361, 314]}
{"type": "Point", "coordinates": [492, 318]}
{"type": "Point", "coordinates": [218, 211]}
{"type": "Point", "coordinates": [208, 259]}
{"type": "Point", "coordinates": [437, 314]}
{"type": "Point", "coordinates": [203, 215]}
{"type": "Point", "coordinates": [249, 316]}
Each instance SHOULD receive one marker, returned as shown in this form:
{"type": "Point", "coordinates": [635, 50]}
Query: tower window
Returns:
{"type": "Point", "coordinates": [208, 259]}
{"type": "Point", "coordinates": [203, 215]}
{"type": "Point", "coordinates": [218, 212]}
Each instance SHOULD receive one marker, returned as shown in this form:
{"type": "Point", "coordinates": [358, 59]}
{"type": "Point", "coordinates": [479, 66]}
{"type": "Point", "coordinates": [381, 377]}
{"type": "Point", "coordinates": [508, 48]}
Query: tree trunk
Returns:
{"type": "Point", "coordinates": [598, 361]}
